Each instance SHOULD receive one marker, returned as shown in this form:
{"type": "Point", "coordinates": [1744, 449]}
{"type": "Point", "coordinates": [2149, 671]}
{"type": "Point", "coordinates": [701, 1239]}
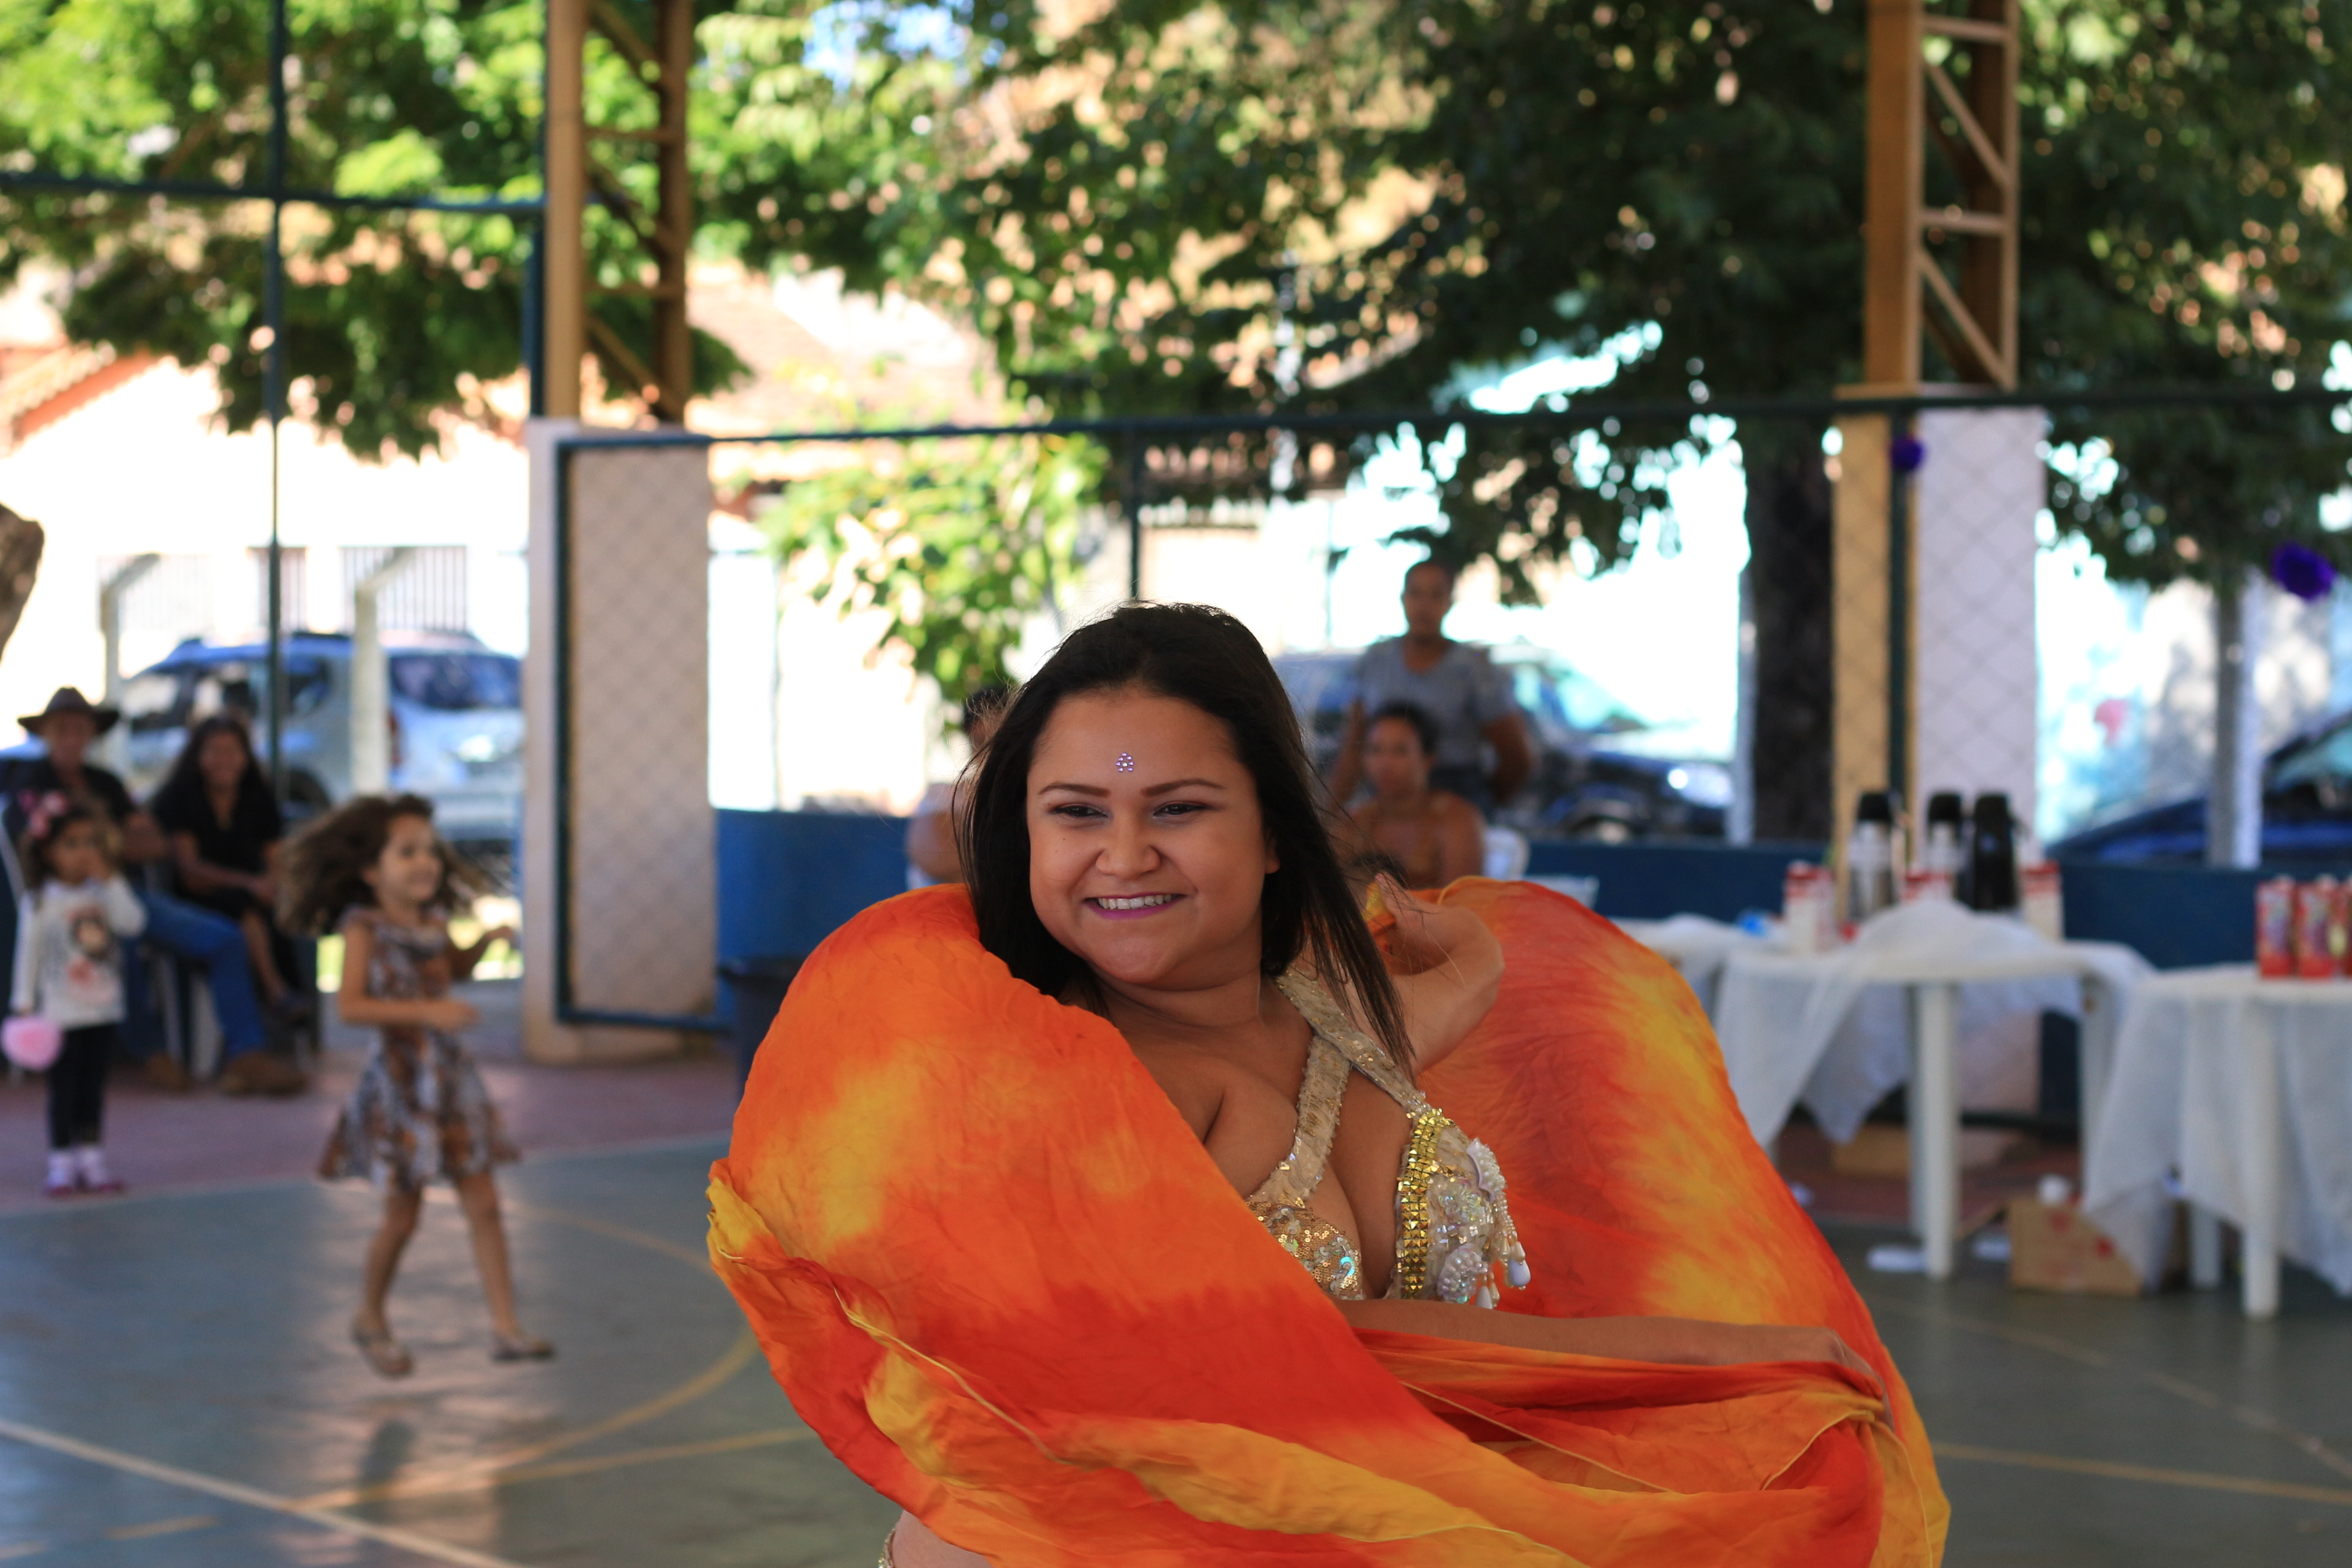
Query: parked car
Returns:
{"type": "Point", "coordinates": [455, 712]}
{"type": "Point", "coordinates": [1602, 772]}
{"type": "Point", "coordinates": [2306, 810]}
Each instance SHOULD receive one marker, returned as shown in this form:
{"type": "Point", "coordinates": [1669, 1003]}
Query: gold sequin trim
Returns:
{"type": "Point", "coordinates": [1420, 1168]}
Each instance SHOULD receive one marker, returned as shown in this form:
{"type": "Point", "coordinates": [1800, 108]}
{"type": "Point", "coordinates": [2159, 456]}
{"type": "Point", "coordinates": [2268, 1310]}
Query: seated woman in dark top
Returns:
{"type": "Point", "coordinates": [224, 825]}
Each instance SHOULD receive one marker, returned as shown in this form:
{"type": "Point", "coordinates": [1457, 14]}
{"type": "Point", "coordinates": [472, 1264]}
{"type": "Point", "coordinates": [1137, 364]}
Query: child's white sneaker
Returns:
{"type": "Point", "coordinates": [89, 1161]}
{"type": "Point", "coordinates": [63, 1181]}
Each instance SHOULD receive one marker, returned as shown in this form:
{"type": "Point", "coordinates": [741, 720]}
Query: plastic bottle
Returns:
{"type": "Point", "coordinates": [1990, 876]}
{"type": "Point", "coordinates": [1939, 846]}
{"type": "Point", "coordinates": [1870, 858]}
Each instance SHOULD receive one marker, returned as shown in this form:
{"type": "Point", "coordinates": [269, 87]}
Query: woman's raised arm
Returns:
{"type": "Point", "coordinates": [1452, 967]}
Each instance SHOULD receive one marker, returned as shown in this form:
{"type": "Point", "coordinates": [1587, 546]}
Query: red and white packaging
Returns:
{"type": "Point", "coordinates": [2318, 906]}
{"type": "Point", "coordinates": [2042, 900]}
{"type": "Point", "coordinates": [1918, 887]}
{"type": "Point", "coordinates": [1807, 908]}
{"type": "Point", "coordinates": [2274, 928]}
{"type": "Point", "coordinates": [2339, 929]}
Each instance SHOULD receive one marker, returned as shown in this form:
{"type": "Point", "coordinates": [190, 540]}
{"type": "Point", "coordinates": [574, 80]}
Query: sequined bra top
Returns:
{"type": "Point", "coordinates": [1454, 1224]}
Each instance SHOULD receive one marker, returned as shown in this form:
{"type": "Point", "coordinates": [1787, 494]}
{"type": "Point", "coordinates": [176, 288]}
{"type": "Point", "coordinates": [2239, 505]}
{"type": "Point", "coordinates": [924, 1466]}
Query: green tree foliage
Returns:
{"type": "Point", "coordinates": [1447, 187]}
{"type": "Point", "coordinates": [392, 320]}
{"type": "Point", "coordinates": [964, 543]}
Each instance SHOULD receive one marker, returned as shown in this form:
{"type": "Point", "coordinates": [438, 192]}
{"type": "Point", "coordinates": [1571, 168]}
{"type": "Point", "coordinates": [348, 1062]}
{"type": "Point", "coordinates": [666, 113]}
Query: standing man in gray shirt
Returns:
{"type": "Point", "coordinates": [1454, 683]}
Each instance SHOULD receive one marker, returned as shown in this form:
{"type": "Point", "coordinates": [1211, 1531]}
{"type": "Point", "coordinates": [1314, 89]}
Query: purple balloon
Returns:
{"type": "Point", "coordinates": [1907, 453]}
{"type": "Point", "coordinates": [2302, 571]}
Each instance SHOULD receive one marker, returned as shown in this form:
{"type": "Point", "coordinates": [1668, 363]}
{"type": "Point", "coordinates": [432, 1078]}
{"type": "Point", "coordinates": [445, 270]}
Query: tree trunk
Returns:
{"type": "Point", "coordinates": [2233, 808]}
{"type": "Point", "coordinates": [1789, 581]}
{"type": "Point", "coordinates": [20, 563]}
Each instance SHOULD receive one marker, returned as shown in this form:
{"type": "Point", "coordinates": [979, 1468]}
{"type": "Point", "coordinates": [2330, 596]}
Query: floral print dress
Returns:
{"type": "Point", "coordinates": [419, 1109]}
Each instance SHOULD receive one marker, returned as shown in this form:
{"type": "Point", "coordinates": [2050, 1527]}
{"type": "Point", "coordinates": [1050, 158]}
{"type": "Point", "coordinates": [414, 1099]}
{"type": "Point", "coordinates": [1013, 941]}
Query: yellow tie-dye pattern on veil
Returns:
{"type": "Point", "coordinates": [1001, 1279]}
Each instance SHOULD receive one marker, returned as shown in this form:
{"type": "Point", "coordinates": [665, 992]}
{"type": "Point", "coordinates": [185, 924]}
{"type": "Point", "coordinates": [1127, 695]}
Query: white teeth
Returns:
{"type": "Point", "coordinates": [1142, 901]}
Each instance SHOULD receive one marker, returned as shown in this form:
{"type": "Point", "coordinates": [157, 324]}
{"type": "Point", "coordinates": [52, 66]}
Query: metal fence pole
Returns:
{"type": "Point", "coordinates": [1902, 461]}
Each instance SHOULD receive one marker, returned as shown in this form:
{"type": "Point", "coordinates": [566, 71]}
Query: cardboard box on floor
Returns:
{"type": "Point", "coordinates": [1881, 1150]}
{"type": "Point", "coordinates": [2053, 1246]}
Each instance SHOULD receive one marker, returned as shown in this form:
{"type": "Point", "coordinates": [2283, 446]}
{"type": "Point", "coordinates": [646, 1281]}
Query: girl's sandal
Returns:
{"type": "Point", "coordinates": [387, 1355]}
{"type": "Point", "coordinates": [521, 1347]}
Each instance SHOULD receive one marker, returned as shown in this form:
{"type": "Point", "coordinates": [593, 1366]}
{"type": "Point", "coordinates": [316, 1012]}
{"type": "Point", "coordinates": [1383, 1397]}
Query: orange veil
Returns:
{"type": "Point", "coordinates": [1001, 1280]}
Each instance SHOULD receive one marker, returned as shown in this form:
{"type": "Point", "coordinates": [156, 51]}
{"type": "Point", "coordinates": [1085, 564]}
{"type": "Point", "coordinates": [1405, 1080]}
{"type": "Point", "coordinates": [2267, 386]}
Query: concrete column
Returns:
{"type": "Point", "coordinates": [371, 701]}
{"type": "Point", "coordinates": [623, 606]}
{"type": "Point", "coordinates": [111, 747]}
{"type": "Point", "coordinates": [1977, 704]}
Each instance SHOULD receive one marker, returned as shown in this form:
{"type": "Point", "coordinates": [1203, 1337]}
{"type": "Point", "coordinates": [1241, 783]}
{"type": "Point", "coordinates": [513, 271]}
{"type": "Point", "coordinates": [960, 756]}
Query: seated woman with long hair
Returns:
{"type": "Point", "coordinates": [994, 1190]}
{"type": "Point", "coordinates": [224, 827]}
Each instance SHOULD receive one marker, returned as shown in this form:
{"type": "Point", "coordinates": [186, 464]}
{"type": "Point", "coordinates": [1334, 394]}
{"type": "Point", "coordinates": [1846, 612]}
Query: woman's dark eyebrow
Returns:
{"type": "Point", "coordinates": [1155, 789]}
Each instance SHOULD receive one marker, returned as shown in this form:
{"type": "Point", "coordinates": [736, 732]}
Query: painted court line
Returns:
{"type": "Point", "coordinates": [478, 1474]}
{"type": "Point", "coordinates": [2249, 1485]}
{"type": "Point", "coordinates": [250, 1496]}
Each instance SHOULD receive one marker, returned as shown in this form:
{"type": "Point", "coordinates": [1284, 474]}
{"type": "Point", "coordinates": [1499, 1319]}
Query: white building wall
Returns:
{"type": "Point", "coordinates": [145, 467]}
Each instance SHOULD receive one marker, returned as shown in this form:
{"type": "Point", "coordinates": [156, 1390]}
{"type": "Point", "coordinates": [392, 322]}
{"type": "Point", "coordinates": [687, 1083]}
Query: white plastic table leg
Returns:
{"type": "Point", "coordinates": [2204, 1247]}
{"type": "Point", "coordinates": [1935, 1123]}
{"type": "Point", "coordinates": [2101, 1016]}
{"type": "Point", "coordinates": [2259, 1177]}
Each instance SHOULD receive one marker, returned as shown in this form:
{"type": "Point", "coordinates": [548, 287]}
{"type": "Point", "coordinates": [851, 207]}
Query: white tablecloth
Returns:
{"type": "Point", "coordinates": [1832, 1029]}
{"type": "Point", "coordinates": [2175, 1102]}
{"type": "Point", "coordinates": [1698, 948]}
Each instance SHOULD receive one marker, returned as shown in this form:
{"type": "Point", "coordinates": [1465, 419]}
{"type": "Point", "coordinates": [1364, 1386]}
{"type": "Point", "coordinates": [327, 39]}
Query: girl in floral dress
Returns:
{"type": "Point", "coordinates": [376, 870]}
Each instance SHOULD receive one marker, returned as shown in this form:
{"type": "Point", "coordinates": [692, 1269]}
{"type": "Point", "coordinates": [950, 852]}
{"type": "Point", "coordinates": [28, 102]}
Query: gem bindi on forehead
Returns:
{"type": "Point", "coordinates": [1126, 762]}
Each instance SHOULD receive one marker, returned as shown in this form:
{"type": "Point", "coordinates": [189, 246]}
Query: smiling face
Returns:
{"type": "Point", "coordinates": [1151, 872]}
{"type": "Point", "coordinates": [408, 871]}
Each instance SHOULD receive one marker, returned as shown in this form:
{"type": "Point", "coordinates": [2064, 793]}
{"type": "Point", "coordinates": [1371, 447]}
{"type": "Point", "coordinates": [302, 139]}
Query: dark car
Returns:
{"type": "Point", "coordinates": [2306, 810]}
{"type": "Point", "coordinates": [1601, 771]}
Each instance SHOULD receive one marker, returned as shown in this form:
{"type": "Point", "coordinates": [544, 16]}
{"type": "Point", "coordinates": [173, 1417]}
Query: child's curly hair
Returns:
{"type": "Point", "coordinates": [320, 871]}
{"type": "Point", "coordinates": [50, 818]}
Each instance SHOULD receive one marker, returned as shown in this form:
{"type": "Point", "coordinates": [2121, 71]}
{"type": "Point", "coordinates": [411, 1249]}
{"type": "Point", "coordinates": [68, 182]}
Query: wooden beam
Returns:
{"type": "Point", "coordinates": [673, 334]}
{"type": "Point", "coordinates": [1892, 189]}
{"type": "Point", "coordinates": [1988, 159]}
{"type": "Point", "coordinates": [610, 344]}
{"type": "Point", "coordinates": [1972, 29]}
{"type": "Point", "coordinates": [562, 257]}
{"type": "Point", "coordinates": [624, 37]}
{"type": "Point", "coordinates": [1961, 220]}
{"type": "Point", "coordinates": [1980, 345]}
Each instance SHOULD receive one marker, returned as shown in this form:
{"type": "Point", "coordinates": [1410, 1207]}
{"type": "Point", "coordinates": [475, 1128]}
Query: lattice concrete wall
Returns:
{"type": "Point", "coordinates": [644, 899]}
{"type": "Point", "coordinates": [1976, 695]}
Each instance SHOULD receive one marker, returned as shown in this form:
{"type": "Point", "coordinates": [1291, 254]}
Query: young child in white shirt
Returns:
{"type": "Point", "coordinates": [69, 931]}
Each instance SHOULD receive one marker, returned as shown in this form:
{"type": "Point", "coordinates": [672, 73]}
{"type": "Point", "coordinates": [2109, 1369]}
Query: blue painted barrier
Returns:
{"type": "Point", "coordinates": [1650, 881]}
{"type": "Point", "coordinates": [787, 878]}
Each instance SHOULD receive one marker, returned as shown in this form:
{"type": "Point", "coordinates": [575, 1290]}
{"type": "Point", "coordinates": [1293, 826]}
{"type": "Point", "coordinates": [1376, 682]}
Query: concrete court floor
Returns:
{"type": "Point", "coordinates": [176, 1390]}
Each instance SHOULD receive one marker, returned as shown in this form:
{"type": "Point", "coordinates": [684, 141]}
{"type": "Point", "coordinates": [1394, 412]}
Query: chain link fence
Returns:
{"type": "Point", "coordinates": [1722, 621]}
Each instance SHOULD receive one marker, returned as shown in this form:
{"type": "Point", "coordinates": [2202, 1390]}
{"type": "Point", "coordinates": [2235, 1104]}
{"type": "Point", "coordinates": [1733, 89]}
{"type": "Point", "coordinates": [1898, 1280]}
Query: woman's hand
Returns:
{"type": "Point", "coordinates": [1448, 967]}
{"type": "Point", "coordinates": [1730, 1345]}
{"type": "Point", "coordinates": [448, 1015]}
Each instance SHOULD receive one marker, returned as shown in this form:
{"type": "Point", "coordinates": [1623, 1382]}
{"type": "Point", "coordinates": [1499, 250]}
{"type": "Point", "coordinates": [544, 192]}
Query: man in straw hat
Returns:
{"type": "Point", "coordinates": [67, 728]}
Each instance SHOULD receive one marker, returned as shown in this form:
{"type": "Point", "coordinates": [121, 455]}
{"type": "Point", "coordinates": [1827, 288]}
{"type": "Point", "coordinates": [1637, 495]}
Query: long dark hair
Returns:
{"type": "Point", "coordinates": [1203, 657]}
{"type": "Point", "coordinates": [323, 871]}
{"type": "Point", "coordinates": [184, 785]}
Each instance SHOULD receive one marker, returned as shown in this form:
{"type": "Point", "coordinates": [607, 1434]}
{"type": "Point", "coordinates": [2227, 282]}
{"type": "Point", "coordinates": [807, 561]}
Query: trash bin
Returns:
{"type": "Point", "coordinates": [756, 987]}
